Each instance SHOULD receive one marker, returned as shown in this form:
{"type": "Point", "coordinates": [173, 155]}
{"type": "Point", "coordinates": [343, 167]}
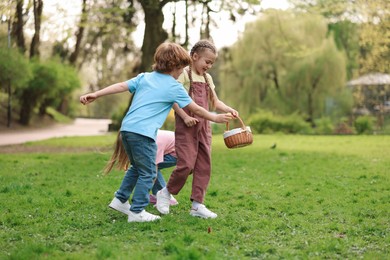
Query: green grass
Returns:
{"type": "Point", "coordinates": [313, 197]}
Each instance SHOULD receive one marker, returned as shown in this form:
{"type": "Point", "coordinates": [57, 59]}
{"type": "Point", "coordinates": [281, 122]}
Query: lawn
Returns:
{"type": "Point", "coordinates": [312, 197]}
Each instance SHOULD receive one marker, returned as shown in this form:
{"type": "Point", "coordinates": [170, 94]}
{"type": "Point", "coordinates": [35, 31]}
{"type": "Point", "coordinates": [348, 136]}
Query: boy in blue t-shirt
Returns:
{"type": "Point", "coordinates": [154, 95]}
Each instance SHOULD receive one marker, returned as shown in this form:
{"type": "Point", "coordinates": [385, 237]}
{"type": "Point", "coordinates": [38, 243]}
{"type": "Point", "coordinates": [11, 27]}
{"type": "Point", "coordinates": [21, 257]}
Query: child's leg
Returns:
{"type": "Point", "coordinates": [131, 175]}
{"type": "Point", "coordinates": [142, 153]}
{"type": "Point", "coordinates": [127, 185]}
{"type": "Point", "coordinates": [186, 151]}
{"type": "Point", "coordinates": [202, 168]}
{"type": "Point", "coordinates": [160, 183]}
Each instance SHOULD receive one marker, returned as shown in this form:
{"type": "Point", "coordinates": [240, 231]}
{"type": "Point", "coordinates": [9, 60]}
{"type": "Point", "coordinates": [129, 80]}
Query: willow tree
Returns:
{"type": "Point", "coordinates": [286, 63]}
{"type": "Point", "coordinates": [365, 22]}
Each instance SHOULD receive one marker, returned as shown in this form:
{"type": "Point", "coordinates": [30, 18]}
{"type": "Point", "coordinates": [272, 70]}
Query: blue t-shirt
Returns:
{"type": "Point", "coordinates": [154, 95]}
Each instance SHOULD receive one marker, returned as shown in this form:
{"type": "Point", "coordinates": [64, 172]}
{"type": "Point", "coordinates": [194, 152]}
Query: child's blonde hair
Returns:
{"type": "Point", "coordinates": [170, 56]}
{"type": "Point", "coordinates": [118, 157]}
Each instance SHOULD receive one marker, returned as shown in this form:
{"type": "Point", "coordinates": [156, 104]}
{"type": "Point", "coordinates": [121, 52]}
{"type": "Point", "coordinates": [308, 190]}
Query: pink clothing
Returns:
{"type": "Point", "coordinates": [165, 144]}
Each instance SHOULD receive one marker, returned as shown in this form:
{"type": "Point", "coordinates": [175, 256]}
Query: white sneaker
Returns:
{"type": "Point", "coordinates": [143, 216]}
{"type": "Point", "coordinates": [173, 201]}
{"type": "Point", "coordinates": [153, 200]}
{"type": "Point", "coordinates": [162, 203]}
{"type": "Point", "coordinates": [119, 206]}
{"type": "Point", "coordinates": [202, 212]}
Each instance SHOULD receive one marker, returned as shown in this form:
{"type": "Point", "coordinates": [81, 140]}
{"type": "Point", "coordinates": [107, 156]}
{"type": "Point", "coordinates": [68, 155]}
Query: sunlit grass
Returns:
{"type": "Point", "coordinates": [77, 141]}
{"type": "Point", "coordinates": [310, 197]}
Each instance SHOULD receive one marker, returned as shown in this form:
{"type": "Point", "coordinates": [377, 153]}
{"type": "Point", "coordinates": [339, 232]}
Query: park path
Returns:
{"type": "Point", "coordinates": [79, 127]}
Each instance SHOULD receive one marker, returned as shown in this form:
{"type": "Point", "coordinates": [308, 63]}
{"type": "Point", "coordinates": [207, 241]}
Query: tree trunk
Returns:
{"type": "Point", "coordinates": [17, 27]}
{"type": "Point", "coordinates": [79, 34]}
{"type": "Point", "coordinates": [38, 7]}
{"type": "Point", "coordinates": [186, 40]}
{"type": "Point", "coordinates": [63, 107]}
{"type": "Point", "coordinates": [310, 109]}
{"type": "Point", "coordinates": [26, 108]}
{"type": "Point", "coordinates": [205, 32]}
{"type": "Point", "coordinates": [154, 33]}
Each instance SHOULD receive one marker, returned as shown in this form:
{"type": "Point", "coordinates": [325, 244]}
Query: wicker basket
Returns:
{"type": "Point", "coordinates": [238, 137]}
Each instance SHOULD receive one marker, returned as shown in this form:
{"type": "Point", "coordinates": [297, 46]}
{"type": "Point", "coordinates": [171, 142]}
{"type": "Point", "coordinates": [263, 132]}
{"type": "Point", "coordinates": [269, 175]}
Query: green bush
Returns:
{"type": "Point", "coordinates": [324, 126]}
{"type": "Point", "coordinates": [364, 124]}
{"type": "Point", "coordinates": [15, 69]}
{"type": "Point", "coordinates": [117, 117]}
{"type": "Point", "coordinates": [267, 122]}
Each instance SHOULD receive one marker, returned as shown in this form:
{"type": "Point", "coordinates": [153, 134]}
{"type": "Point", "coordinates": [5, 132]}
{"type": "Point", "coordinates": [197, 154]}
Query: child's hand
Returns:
{"type": "Point", "coordinates": [190, 121]}
{"type": "Point", "coordinates": [88, 98]}
{"type": "Point", "coordinates": [223, 118]}
{"type": "Point", "coordinates": [233, 112]}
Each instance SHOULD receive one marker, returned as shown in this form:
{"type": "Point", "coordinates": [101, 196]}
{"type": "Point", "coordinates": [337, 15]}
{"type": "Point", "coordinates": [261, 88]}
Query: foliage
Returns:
{"type": "Point", "coordinates": [14, 68]}
{"type": "Point", "coordinates": [310, 197]}
{"type": "Point", "coordinates": [346, 36]}
{"type": "Point", "coordinates": [374, 39]}
{"type": "Point", "coordinates": [284, 62]}
{"type": "Point", "coordinates": [324, 126]}
{"type": "Point", "coordinates": [370, 18]}
{"type": "Point", "coordinates": [268, 122]}
{"type": "Point", "coordinates": [58, 117]}
{"type": "Point", "coordinates": [364, 124]}
{"type": "Point", "coordinates": [51, 85]}
{"type": "Point", "coordinates": [339, 105]}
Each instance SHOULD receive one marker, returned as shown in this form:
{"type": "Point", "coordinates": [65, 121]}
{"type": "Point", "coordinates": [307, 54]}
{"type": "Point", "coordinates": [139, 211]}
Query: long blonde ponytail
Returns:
{"type": "Point", "coordinates": [118, 157]}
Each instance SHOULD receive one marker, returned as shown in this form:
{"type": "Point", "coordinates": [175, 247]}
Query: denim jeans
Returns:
{"type": "Point", "coordinates": [169, 161]}
{"type": "Point", "coordinates": [141, 151]}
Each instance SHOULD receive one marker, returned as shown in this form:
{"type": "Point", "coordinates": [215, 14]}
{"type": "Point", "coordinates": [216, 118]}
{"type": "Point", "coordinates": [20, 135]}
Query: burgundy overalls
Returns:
{"type": "Point", "coordinates": [193, 147]}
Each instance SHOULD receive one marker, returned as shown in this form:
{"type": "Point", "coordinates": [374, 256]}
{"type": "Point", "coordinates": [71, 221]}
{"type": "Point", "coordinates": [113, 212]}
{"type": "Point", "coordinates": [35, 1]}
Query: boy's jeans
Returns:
{"type": "Point", "coordinates": [141, 151]}
{"type": "Point", "coordinates": [169, 161]}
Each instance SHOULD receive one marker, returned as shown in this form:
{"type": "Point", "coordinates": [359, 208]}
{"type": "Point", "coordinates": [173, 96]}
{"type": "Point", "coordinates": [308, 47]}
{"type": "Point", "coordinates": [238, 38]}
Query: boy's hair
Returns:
{"type": "Point", "coordinates": [201, 45]}
{"type": "Point", "coordinates": [170, 56]}
{"type": "Point", "coordinates": [119, 157]}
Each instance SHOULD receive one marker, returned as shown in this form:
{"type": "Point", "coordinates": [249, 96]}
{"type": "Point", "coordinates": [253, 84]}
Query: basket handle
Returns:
{"type": "Point", "coordinates": [242, 124]}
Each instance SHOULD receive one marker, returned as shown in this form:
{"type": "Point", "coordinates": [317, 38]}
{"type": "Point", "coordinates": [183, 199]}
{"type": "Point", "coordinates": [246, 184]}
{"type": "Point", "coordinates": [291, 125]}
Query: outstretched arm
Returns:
{"type": "Point", "coordinates": [112, 89]}
{"type": "Point", "coordinates": [200, 111]}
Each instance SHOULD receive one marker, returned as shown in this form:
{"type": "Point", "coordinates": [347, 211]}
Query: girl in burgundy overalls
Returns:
{"type": "Point", "coordinates": [193, 134]}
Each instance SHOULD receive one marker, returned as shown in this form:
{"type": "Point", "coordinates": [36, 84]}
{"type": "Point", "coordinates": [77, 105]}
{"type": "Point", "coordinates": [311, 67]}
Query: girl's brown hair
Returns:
{"type": "Point", "coordinates": [170, 56]}
{"type": "Point", "coordinates": [200, 47]}
{"type": "Point", "coordinates": [118, 157]}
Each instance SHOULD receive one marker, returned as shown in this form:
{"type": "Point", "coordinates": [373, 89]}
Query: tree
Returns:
{"type": "Point", "coordinates": [368, 19]}
{"type": "Point", "coordinates": [35, 43]}
{"type": "Point", "coordinates": [374, 37]}
{"type": "Point", "coordinates": [283, 62]}
{"type": "Point", "coordinates": [79, 35]}
{"type": "Point", "coordinates": [154, 33]}
{"type": "Point", "coordinates": [314, 78]}
{"type": "Point", "coordinates": [15, 72]}
{"type": "Point", "coordinates": [18, 26]}
{"type": "Point", "coordinates": [67, 81]}
{"type": "Point", "coordinates": [51, 85]}
{"type": "Point", "coordinates": [346, 36]}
